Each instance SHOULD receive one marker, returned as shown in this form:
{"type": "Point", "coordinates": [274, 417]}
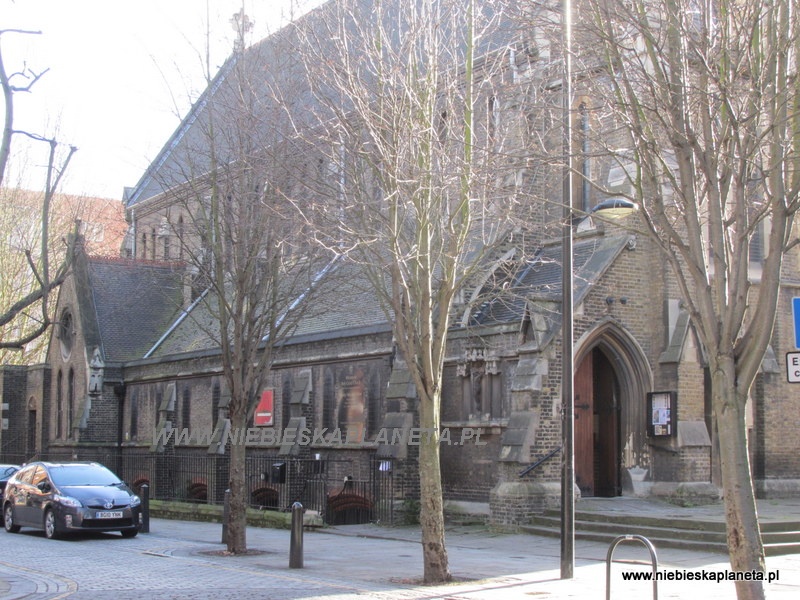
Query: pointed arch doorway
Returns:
{"type": "Point", "coordinates": [597, 426]}
{"type": "Point", "coordinates": [611, 381]}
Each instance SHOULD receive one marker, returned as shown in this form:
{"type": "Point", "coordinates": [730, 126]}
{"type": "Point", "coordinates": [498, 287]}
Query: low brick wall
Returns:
{"type": "Point", "coordinates": [212, 513]}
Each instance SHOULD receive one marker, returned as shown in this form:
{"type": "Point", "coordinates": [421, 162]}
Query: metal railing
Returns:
{"type": "Point", "coordinates": [341, 490]}
{"type": "Point", "coordinates": [535, 465]}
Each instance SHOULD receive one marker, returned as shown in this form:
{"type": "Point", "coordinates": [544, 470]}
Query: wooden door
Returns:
{"type": "Point", "coordinates": [606, 443]}
{"type": "Point", "coordinates": [584, 426]}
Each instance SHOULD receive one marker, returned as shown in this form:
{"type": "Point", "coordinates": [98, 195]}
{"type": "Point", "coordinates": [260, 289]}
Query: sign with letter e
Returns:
{"type": "Point", "coordinates": [793, 367]}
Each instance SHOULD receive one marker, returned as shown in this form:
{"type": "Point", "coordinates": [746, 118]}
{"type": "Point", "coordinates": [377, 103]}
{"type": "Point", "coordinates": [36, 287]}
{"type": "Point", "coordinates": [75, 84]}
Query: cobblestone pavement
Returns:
{"type": "Point", "coordinates": [182, 560]}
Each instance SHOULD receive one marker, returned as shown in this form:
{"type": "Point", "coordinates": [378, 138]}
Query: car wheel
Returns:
{"type": "Point", "coordinates": [129, 533]}
{"type": "Point", "coordinates": [8, 519]}
{"type": "Point", "coordinates": [50, 529]}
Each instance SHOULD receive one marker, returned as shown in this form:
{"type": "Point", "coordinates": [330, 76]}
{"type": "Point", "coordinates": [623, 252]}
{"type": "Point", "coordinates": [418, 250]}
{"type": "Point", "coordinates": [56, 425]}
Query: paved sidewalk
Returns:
{"type": "Point", "coordinates": [769, 511]}
{"type": "Point", "coordinates": [386, 562]}
{"type": "Point", "coordinates": [185, 560]}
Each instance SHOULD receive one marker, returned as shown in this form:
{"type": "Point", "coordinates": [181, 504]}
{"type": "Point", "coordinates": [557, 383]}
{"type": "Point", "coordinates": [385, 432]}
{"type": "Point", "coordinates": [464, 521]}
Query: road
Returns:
{"type": "Point", "coordinates": [185, 560]}
{"type": "Point", "coordinates": [175, 560]}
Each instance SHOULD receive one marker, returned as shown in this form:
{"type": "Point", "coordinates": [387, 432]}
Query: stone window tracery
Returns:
{"type": "Point", "coordinates": [481, 386]}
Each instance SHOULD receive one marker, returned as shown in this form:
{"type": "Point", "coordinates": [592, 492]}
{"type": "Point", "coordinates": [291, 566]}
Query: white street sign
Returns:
{"type": "Point", "coordinates": [793, 367]}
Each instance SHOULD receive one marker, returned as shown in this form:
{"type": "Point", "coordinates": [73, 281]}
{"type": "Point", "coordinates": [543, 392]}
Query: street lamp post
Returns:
{"type": "Point", "coordinates": [567, 367]}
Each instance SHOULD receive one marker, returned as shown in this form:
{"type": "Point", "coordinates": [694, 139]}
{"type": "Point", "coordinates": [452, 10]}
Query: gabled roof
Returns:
{"type": "Point", "coordinates": [351, 307]}
{"type": "Point", "coordinates": [540, 279]}
{"type": "Point", "coordinates": [139, 313]}
{"type": "Point", "coordinates": [274, 66]}
{"type": "Point", "coordinates": [343, 304]}
{"type": "Point", "coordinates": [185, 156]}
{"type": "Point", "coordinates": [130, 304]}
{"type": "Point", "coordinates": [170, 168]}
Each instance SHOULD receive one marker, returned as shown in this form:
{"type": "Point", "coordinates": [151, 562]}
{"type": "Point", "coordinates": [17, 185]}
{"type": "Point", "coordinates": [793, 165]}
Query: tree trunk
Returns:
{"type": "Point", "coordinates": [431, 511]}
{"type": "Point", "coordinates": [745, 548]}
{"type": "Point", "coordinates": [237, 517]}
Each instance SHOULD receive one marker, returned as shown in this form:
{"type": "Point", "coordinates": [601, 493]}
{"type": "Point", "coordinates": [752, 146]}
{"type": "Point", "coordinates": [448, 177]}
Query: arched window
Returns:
{"type": "Point", "coordinates": [443, 127]}
{"type": "Point", "coordinates": [492, 118]}
{"type": "Point", "coordinates": [66, 334]}
{"type": "Point", "coordinates": [181, 241]}
{"type": "Point", "coordinates": [134, 415]}
{"type": "Point", "coordinates": [329, 400]}
{"type": "Point", "coordinates": [144, 245]}
{"type": "Point", "coordinates": [286, 398]}
{"type": "Point", "coordinates": [582, 155]}
{"type": "Point", "coordinates": [584, 125]}
{"type": "Point", "coordinates": [373, 403]}
{"type": "Point", "coordinates": [215, 398]}
{"type": "Point", "coordinates": [70, 402]}
{"type": "Point", "coordinates": [186, 408]}
{"type": "Point", "coordinates": [59, 432]}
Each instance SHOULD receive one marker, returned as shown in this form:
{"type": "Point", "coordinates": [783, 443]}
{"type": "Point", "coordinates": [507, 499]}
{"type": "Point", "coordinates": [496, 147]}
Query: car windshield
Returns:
{"type": "Point", "coordinates": [82, 475]}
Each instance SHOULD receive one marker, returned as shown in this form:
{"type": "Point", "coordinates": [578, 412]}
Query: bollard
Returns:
{"type": "Point", "coordinates": [226, 514]}
{"type": "Point", "coordinates": [145, 514]}
{"type": "Point", "coordinates": [296, 544]}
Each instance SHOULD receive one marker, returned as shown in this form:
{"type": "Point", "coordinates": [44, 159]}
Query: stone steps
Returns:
{"type": "Point", "coordinates": [689, 534]}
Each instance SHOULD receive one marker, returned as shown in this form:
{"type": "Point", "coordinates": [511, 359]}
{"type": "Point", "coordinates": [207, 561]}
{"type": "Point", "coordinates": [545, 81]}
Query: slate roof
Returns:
{"type": "Point", "coordinates": [139, 314]}
{"type": "Point", "coordinates": [541, 278]}
{"type": "Point", "coordinates": [193, 330]}
{"type": "Point", "coordinates": [275, 63]}
{"type": "Point", "coordinates": [343, 304]}
{"type": "Point", "coordinates": [134, 302]}
{"type": "Point", "coordinates": [350, 306]}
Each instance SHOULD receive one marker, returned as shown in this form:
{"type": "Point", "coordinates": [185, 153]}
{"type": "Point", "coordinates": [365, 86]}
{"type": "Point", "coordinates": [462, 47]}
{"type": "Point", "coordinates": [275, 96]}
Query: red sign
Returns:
{"type": "Point", "coordinates": [263, 415]}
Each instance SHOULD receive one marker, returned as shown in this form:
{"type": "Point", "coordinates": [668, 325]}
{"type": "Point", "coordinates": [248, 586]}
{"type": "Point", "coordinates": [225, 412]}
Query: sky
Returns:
{"type": "Point", "coordinates": [120, 75]}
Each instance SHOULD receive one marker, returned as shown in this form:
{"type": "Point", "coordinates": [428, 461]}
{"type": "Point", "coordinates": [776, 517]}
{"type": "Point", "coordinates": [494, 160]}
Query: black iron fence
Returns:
{"type": "Point", "coordinates": [342, 491]}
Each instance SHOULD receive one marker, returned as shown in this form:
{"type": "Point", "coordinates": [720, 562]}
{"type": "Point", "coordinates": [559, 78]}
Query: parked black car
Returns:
{"type": "Point", "coordinates": [6, 471]}
{"type": "Point", "coordinates": [70, 497]}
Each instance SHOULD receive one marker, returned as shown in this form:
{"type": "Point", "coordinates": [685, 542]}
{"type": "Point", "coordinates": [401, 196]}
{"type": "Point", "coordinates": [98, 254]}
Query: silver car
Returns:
{"type": "Point", "coordinates": [6, 471]}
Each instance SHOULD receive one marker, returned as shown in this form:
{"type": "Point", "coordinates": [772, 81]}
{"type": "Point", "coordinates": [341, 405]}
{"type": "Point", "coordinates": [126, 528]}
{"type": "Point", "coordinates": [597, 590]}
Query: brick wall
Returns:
{"type": "Point", "coordinates": [13, 388]}
{"type": "Point", "coordinates": [38, 395]}
{"type": "Point", "coordinates": [469, 470]}
{"type": "Point", "coordinates": [684, 464]}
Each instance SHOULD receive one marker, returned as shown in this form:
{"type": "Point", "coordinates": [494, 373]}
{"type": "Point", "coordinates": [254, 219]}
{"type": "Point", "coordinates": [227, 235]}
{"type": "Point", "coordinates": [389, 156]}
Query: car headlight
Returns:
{"type": "Point", "coordinates": [67, 501]}
{"type": "Point", "coordinates": [135, 501]}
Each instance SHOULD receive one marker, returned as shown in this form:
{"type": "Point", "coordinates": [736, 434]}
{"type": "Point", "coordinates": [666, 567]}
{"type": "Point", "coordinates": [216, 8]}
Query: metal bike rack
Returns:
{"type": "Point", "coordinates": [653, 559]}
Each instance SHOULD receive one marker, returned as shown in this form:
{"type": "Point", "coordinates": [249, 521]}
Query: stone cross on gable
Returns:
{"type": "Point", "coordinates": [241, 24]}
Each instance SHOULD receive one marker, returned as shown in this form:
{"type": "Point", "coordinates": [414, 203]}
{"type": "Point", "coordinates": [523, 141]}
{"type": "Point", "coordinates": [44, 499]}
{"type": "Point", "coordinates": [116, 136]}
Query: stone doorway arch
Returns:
{"type": "Point", "coordinates": [612, 378]}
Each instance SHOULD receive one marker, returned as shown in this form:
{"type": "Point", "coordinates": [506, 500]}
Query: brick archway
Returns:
{"type": "Point", "coordinates": [612, 378]}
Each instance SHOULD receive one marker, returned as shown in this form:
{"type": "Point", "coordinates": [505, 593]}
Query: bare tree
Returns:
{"type": "Point", "coordinates": [254, 274]}
{"type": "Point", "coordinates": [705, 94]}
{"type": "Point", "coordinates": [100, 224]}
{"type": "Point", "coordinates": [396, 96]}
{"type": "Point", "coordinates": [16, 311]}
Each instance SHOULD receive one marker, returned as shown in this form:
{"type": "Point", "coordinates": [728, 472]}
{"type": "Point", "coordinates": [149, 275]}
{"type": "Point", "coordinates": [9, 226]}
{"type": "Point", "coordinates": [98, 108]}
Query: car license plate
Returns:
{"type": "Point", "coordinates": [108, 514]}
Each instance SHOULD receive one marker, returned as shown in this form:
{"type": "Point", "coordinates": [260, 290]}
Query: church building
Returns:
{"type": "Point", "coordinates": [134, 378]}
